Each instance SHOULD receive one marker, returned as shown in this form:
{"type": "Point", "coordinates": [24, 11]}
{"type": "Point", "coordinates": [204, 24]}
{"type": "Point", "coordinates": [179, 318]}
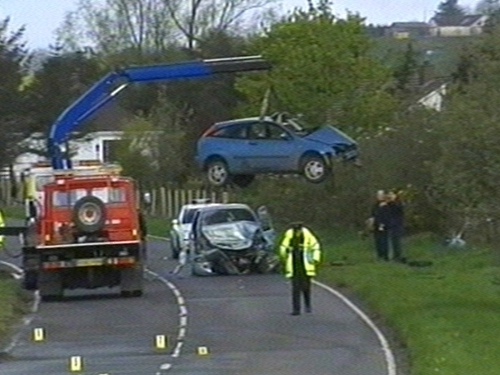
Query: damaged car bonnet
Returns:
{"type": "Point", "coordinates": [231, 239]}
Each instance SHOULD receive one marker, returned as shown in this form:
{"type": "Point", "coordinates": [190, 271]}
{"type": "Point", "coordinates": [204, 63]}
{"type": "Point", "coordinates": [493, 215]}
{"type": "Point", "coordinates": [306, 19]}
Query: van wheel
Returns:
{"type": "Point", "coordinates": [217, 172]}
{"type": "Point", "coordinates": [314, 168]}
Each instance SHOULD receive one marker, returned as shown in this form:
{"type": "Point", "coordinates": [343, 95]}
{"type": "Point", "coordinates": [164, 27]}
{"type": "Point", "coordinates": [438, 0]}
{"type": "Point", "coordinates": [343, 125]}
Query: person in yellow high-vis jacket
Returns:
{"type": "Point", "coordinates": [300, 251]}
{"type": "Point", "coordinates": [2, 224]}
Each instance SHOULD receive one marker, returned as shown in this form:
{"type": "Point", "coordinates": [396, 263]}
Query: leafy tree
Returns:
{"type": "Point", "coordinates": [62, 78]}
{"type": "Point", "coordinates": [13, 119]}
{"type": "Point", "coordinates": [137, 151]}
{"type": "Point", "coordinates": [322, 68]}
{"type": "Point", "coordinates": [407, 68]}
{"type": "Point", "coordinates": [488, 6]}
{"type": "Point", "coordinates": [449, 13]}
{"type": "Point", "coordinates": [466, 176]}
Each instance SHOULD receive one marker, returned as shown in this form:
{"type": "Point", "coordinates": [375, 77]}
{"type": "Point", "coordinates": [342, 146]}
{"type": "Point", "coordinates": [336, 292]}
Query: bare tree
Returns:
{"type": "Point", "coordinates": [194, 18]}
{"type": "Point", "coordinates": [115, 25]}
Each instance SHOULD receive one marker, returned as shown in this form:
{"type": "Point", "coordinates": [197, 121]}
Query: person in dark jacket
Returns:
{"type": "Point", "coordinates": [380, 220]}
{"type": "Point", "coordinates": [395, 224]}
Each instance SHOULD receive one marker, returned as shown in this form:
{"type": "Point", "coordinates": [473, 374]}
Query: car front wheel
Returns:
{"type": "Point", "coordinates": [314, 168]}
{"type": "Point", "coordinates": [174, 244]}
{"type": "Point", "coordinates": [217, 173]}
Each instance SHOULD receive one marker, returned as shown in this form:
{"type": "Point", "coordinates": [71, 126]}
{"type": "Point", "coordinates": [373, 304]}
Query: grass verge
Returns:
{"type": "Point", "coordinates": [447, 314]}
{"type": "Point", "coordinates": [14, 304]}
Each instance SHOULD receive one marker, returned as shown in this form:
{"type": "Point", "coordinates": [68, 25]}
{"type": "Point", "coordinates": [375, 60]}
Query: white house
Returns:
{"type": "Point", "coordinates": [93, 146]}
{"type": "Point", "coordinates": [434, 99]}
{"type": "Point", "coordinates": [469, 25]}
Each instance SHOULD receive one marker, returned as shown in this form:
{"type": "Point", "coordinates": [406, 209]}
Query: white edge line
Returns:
{"type": "Point", "coordinates": [18, 269]}
{"type": "Point", "coordinates": [183, 310]}
{"type": "Point", "coordinates": [182, 319]}
{"type": "Point", "coordinates": [158, 238]}
{"type": "Point", "coordinates": [389, 355]}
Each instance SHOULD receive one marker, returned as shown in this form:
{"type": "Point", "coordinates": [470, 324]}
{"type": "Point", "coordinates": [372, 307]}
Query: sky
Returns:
{"type": "Point", "coordinates": [42, 17]}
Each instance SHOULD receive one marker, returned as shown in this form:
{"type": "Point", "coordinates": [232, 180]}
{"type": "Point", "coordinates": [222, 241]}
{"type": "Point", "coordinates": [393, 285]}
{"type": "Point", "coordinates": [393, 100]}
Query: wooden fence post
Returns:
{"type": "Point", "coordinates": [176, 200]}
{"type": "Point", "coordinates": [163, 201]}
{"type": "Point", "coordinates": [170, 204]}
{"type": "Point", "coordinates": [154, 197]}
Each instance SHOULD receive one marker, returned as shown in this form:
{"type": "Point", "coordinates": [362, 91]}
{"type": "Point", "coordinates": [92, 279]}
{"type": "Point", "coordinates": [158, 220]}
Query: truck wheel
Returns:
{"type": "Point", "coordinates": [131, 280]}
{"type": "Point", "coordinates": [89, 214]}
{"type": "Point", "coordinates": [30, 281]}
{"type": "Point", "coordinates": [50, 285]}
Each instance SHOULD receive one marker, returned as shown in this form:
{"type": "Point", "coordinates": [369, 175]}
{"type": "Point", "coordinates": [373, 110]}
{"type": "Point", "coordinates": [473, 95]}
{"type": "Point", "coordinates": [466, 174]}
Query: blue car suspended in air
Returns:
{"type": "Point", "coordinates": [235, 151]}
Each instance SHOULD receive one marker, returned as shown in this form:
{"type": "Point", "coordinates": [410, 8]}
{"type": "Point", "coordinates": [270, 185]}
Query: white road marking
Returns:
{"type": "Point", "coordinates": [183, 313]}
{"type": "Point", "coordinates": [183, 310]}
{"type": "Point", "coordinates": [18, 269]}
{"type": "Point", "coordinates": [165, 366]}
{"type": "Point", "coordinates": [177, 350]}
{"type": "Point", "coordinates": [182, 333]}
{"type": "Point", "coordinates": [388, 354]}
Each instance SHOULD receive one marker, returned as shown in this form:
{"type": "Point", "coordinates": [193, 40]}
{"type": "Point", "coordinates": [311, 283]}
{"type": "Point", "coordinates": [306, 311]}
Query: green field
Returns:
{"type": "Point", "coordinates": [14, 304]}
{"type": "Point", "coordinates": [447, 314]}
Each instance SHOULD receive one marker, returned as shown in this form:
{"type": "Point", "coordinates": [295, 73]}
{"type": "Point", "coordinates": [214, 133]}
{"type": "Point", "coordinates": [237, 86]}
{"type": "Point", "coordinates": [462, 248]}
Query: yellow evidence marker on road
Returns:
{"type": "Point", "coordinates": [75, 364]}
{"type": "Point", "coordinates": [202, 350]}
{"type": "Point", "coordinates": [161, 342]}
{"type": "Point", "coordinates": [38, 334]}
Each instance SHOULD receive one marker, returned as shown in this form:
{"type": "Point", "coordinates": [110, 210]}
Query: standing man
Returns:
{"type": "Point", "coordinates": [300, 251]}
{"type": "Point", "coordinates": [395, 225]}
{"type": "Point", "coordinates": [380, 220]}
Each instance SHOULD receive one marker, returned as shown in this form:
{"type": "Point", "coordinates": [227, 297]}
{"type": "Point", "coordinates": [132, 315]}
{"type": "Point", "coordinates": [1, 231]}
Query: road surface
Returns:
{"type": "Point", "coordinates": [214, 325]}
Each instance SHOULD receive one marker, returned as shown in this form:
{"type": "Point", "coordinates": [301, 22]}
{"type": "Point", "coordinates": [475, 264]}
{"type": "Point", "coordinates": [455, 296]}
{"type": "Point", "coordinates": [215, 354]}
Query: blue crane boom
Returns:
{"type": "Point", "coordinates": [115, 82]}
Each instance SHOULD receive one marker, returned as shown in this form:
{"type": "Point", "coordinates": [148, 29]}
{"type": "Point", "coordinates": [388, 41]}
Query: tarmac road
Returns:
{"type": "Point", "coordinates": [227, 325]}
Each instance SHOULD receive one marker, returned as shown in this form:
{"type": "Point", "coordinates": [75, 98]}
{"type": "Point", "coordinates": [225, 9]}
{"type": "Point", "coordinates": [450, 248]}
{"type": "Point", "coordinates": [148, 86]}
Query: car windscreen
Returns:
{"type": "Point", "coordinates": [227, 216]}
{"type": "Point", "coordinates": [68, 198]}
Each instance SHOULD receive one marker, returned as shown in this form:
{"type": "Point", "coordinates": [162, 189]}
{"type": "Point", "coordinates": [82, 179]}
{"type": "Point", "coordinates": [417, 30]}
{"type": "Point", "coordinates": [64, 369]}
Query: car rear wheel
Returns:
{"type": "Point", "coordinates": [314, 168]}
{"type": "Point", "coordinates": [243, 180]}
{"type": "Point", "coordinates": [217, 172]}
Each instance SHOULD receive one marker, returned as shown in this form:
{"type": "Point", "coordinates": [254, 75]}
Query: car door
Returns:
{"type": "Point", "coordinates": [230, 141]}
{"type": "Point", "coordinates": [270, 147]}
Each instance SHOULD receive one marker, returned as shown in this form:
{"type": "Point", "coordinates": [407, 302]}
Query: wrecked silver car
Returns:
{"type": "Point", "coordinates": [231, 239]}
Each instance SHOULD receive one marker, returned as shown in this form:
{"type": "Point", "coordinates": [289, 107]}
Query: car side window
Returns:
{"type": "Point", "coordinates": [277, 132]}
{"type": "Point", "coordinates": [237, 131]}
{"type": "Point", "coordinates": [258, 130]}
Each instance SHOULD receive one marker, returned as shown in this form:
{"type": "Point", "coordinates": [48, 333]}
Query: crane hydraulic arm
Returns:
{"type": "Point", "coordinates": [115, 82]}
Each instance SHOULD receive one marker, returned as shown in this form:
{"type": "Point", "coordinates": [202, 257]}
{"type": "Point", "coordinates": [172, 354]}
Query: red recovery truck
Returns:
{"type": "Point", "coordinates": [90, 234]}
{"type": "Point", "coordinates": [84, 230]}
